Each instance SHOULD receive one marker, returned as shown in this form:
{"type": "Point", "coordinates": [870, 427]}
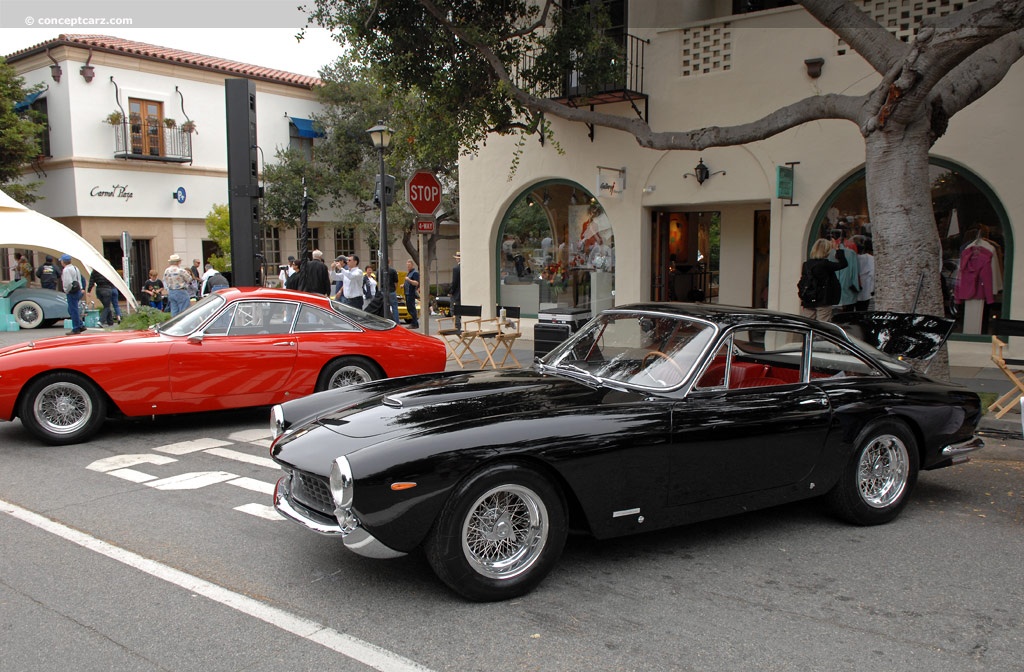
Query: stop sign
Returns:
{"type": "Point", "coordinates": [423, 193]}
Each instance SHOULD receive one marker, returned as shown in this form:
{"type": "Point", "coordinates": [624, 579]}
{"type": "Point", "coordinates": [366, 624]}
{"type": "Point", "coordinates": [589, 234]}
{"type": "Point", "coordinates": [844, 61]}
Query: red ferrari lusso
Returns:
{"type": "Point", "coordinates": [235, 348]}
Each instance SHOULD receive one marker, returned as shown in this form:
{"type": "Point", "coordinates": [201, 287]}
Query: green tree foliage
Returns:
{"type": "Point", "coordinates": [218, 228]}
{"type": "Point", "coordinates": [287, 180]}
{"type": "Point", "coordinates": [19, 136]}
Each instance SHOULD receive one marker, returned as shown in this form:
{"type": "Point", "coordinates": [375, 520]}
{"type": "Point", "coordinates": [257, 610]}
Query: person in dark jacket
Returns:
{"type": "Point", "coordinates": [316, 279]}
{"type": "Point", "coordinates": [48, 274]}
{"type": "Point", "coordinates": [104, 292]}
{"type": "Point", "coordinates": [819, 273]}
{"type": "Point", "coordinates": [295, 279]}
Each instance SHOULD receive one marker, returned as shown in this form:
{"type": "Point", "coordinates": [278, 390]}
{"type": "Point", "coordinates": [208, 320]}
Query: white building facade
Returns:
{"type": "Point", "coordinates": [623, 224]}
{"type": "Point", "coordinates": [150, 174]}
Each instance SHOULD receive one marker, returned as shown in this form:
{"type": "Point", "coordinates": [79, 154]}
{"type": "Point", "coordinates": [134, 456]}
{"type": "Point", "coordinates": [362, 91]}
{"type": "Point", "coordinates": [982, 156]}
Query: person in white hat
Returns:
{"type": "Point", "coordinates": [176, 282]}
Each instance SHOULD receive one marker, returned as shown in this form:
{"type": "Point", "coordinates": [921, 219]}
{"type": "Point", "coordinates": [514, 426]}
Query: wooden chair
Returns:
{"type": "Point", "coordinates": [1002, 330]}
{"type": "Point", "coordinates": [459, 340]}
{"type": "Point", "coordinates": [499, 336]}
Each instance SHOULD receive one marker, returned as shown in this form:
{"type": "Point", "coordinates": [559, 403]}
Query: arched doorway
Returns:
{"type": "Point", "coordinates": [555, 248]}
{"type": "Point", "coordinates": [967, 215]}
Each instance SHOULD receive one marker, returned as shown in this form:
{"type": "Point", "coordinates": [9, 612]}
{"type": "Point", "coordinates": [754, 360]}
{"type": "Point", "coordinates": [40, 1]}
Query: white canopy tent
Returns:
{"type": "Point", "coordinates": [28, 229]}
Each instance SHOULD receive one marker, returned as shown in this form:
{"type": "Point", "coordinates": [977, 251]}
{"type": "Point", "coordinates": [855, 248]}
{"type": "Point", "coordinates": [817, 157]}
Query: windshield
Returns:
{"type": "Point", "coordinates": [637, 349]}
{"type": "Point", "coordinates": [187, 321]}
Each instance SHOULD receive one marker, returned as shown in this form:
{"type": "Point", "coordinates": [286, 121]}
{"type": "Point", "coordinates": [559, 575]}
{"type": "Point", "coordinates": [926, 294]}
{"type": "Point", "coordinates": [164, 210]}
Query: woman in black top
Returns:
{"type": "Point", "coordinates": [819, 288]}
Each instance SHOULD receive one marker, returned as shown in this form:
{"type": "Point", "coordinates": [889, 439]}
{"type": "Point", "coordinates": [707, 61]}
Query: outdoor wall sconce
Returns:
{"type": "Point", "coordinates": [87, 71]}
{"type": "Point", "coordinates": [702, 172]}
{"type": "Point", "coordinates": [55, 70]}
{"type": "Point", "coordinates": [814, 67]}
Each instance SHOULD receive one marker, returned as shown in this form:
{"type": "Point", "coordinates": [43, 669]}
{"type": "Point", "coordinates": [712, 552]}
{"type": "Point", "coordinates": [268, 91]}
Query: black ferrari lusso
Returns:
{"type": "Point", "coordinates": [652, 415]}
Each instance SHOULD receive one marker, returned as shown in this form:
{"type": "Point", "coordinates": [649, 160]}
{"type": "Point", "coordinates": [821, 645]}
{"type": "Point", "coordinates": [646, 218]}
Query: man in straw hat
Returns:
{"type": "Point", "coordinates": [177, 281]}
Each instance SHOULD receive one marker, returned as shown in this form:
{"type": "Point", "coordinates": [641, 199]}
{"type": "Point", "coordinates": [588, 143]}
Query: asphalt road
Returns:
{"type": "Point", "coordinates": [115, 562]}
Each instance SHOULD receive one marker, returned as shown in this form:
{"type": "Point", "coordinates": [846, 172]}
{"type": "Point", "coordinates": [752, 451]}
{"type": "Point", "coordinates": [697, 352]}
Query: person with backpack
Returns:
{"type": "Point", "coordinates": [819, 287]}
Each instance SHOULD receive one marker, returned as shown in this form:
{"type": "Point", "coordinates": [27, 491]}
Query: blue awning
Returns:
{"type": "Point", "coordinates": [31, 98]}
{"type": "Point", "coordinates": [305, 128]}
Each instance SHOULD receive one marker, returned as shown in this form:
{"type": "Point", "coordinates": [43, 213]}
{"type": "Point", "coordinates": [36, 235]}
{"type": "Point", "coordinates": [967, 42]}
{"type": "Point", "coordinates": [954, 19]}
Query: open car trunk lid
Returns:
{"type": "Point", "coordinates": [906, 335]}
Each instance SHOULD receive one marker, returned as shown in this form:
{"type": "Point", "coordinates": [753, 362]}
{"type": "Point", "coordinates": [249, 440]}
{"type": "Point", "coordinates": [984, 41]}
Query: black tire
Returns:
{"type": "Point", "coordinates": [877, 481]}
{"type": "Point", "coordinates": [489, 561]}
{"type": "Point", "coordinates": [346, 371]}
{"type": "Point", "coordinates": [63, 408]}
{"type": "Point", "coordinates": [28, 314]}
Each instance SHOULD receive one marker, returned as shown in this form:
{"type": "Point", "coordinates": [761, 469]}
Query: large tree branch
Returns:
{"type": "Point", "coordinates": [940, 47]}
{"type": "Point", "coordinates": [876, 45]}
{"type": "Point", "coordinates": [976, 76]}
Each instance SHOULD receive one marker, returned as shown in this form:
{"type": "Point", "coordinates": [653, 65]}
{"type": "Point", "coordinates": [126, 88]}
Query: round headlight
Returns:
{"type": "Point", "coordinates": [276, 422]}
{"type": "Point", "coordinates": [341, 483]}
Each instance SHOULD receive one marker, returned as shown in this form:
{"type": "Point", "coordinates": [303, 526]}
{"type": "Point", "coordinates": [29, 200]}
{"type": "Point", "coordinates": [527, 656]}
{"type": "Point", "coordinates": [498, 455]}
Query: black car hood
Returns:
{"type": "Point", "coordinates": [399, 409]}
{"type": "Point", "coordinates": [906, 335]}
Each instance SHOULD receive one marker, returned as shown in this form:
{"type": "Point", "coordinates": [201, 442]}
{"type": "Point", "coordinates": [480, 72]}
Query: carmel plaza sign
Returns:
{"type": "Point", "coordinates": [115, 191]}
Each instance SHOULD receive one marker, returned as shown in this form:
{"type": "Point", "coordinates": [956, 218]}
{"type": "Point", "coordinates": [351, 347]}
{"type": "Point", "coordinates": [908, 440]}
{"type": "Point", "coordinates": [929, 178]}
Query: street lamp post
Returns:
{"type": "Point", "coordinates": [381, 136]}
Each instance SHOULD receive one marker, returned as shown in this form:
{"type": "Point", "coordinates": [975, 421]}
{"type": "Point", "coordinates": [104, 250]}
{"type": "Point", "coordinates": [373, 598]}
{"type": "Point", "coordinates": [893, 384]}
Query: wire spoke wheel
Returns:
{"type": "Point", "coordinates": [505, 531]}
{"type": "Point", "coordinates": [349, 375]}
{"type": "Point", "coordinates": [883, 471]}
{"type": "Point", "coordinates": [63, 408]}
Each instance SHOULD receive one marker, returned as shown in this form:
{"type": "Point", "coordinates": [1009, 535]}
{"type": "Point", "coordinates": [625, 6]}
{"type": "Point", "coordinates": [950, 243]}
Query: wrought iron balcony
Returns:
{"type": "Point", "coordinates": [150, 142]}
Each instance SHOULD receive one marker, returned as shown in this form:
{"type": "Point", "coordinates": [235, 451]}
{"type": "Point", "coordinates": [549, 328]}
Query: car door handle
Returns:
{"type": "Point", "coordinates": [284, 344]}
{"type": "Point", "coordinates": [818, 401]}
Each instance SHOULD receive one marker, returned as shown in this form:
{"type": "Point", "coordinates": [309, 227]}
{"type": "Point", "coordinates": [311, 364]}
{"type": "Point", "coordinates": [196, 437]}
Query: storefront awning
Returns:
{"type": "Point", "coordinates": [306, 128]}
{"type": "Point", "coordinates": [29, 99]}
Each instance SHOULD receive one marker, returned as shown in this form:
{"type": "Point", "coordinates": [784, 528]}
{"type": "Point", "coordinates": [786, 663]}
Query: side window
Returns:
{"type": "Point", "coordinates": [756, 358]}
{"type": "Point", "coordinates": [219, 327]}
{"type": "Point", "coordinates": [315, 319]}
{"type": "Point", "coordinates": [262, 317]}
{"type": "Point", "coordinates": [834, 360]}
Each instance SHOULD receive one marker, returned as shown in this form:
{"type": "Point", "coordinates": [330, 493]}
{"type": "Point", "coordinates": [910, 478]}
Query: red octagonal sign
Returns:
{"type": "Point", "coordinates": [423, 193]}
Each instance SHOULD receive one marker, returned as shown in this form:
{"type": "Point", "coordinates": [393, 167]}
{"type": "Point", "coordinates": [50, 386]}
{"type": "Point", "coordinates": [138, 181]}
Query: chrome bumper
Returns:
{"type": "Point", "coordinates": [357, 540]}
{"type": "Point", "coordinates": [955, 450]}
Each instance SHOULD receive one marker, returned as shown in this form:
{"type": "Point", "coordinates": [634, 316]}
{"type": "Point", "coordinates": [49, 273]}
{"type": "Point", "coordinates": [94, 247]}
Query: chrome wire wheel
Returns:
{"type": "Point", "coordinates": [63, 407]}
{"type": "Point", "coordinates": [349, 375]}
{"type": "Point", "coordinates": [883, 471]}
{"type": "Point", "coordinates": [505, 531]}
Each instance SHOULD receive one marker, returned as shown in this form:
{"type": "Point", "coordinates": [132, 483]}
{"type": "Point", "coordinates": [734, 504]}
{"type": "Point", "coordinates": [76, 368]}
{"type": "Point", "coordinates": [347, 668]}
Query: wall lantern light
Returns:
{"type": "Point", "coordinates": [702, 172]}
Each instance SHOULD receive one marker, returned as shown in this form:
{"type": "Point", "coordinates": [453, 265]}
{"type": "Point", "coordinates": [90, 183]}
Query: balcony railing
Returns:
{"type": "Point", "coordinates": [170, 145]}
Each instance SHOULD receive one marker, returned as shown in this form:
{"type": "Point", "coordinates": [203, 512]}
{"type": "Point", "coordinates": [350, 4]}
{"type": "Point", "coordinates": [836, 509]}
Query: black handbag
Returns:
{"type": "Point", "coordinates": [75, 287]}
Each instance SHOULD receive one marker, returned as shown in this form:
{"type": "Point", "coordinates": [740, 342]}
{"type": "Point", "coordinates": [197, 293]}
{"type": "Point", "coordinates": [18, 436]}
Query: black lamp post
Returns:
{"type": "Point", "coordinates": [381, 136]}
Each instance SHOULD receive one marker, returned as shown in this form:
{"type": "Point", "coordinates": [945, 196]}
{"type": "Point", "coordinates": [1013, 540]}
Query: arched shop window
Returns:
{"type": "Point", "coordinates": [556, 249]}
{"type": "Point", "coordinates": [967, 216]}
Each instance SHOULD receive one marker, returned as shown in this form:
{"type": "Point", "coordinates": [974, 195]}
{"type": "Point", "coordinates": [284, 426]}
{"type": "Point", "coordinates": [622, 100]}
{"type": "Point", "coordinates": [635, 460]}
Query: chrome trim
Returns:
{"type": "Point", "coordinates": [967, 446]}
{"type": "Point", "coordinates": [627, 512]}
{"type": "Point", "coordinates": [355, 538]}
{"type": "Point", "coordinates": [302, 515]}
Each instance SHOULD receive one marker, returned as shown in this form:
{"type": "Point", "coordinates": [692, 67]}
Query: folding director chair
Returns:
{"type": "Point", "coordinates": [499, 335]}
{"type": "Point", "coordinates": [459, 340]}
{"type": "Point", "coordinates": [1002, 330]}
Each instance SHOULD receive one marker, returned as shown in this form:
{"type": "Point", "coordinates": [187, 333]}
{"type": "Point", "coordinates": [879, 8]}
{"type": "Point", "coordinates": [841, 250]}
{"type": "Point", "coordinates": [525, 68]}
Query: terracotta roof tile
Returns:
{"type": "Point", "coordinates": [185, 58]}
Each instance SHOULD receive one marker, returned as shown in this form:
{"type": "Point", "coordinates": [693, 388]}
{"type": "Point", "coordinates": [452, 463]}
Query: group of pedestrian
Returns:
{"type": "Point", "coordinates": [839, 276]}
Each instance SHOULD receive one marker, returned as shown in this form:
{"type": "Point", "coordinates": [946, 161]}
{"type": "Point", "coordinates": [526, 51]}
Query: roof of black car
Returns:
{"type": "Point", "coordinates": [730, 316]}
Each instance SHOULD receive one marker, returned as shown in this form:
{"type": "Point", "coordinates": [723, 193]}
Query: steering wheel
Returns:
{"type": "Point", "coordinates": [658, 353]}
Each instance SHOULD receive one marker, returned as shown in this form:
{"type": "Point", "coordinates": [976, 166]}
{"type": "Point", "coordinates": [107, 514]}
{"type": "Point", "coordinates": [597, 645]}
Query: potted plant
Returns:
{"type": "Point", "coordinates": [170, 123]}
{"type": "Point", "coordinates": [115, 118]}
{"type": "Point", "coordinates": [189, 126]}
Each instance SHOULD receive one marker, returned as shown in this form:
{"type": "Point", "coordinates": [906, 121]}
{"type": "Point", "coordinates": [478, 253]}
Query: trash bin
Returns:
{"type": "Point", "coordinates": [554, 325]}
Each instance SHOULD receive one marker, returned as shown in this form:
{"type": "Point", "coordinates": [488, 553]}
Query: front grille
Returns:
{"type": "Point", "coordinates": [313, 491]}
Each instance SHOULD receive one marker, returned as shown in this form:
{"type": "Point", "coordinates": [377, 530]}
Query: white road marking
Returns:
{"type": "Point", "coordinates": [122, 461]}
{"type": "Point", "coordinates": [239, 456]}
{"type": "Point", "coordinates": [192, 481]}
{"type": "Point", "coordinates": [261, 487]}
{"type": "Point", "coordinates": [260, 511]}
{"type": "Point", "coordinates": [132, 475]}
{"type": "Point", "coordinates": [251, 436]}
{"type": "Point", "coordinates": [368, 654]}
{"type": "Point", "coordinates": [185, 447]}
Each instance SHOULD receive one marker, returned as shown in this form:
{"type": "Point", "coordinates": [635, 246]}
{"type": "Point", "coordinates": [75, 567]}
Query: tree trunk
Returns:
{"type": "Point", "coordinates": [906, 242]}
